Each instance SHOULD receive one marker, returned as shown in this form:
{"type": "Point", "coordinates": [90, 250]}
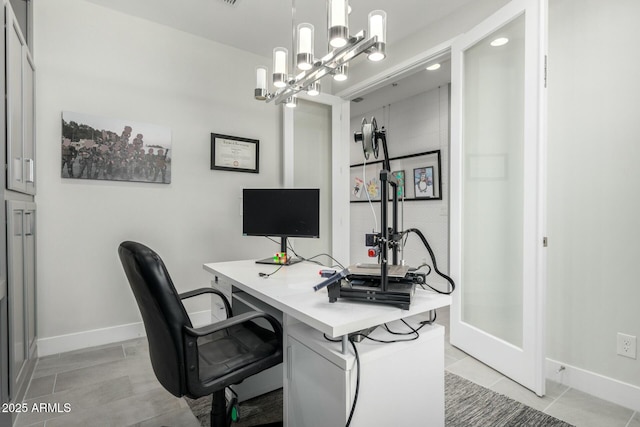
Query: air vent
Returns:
{"type": "Point", "coordinates": [230, 2]}
{"type": "Point", "coordinates": [358, 99]}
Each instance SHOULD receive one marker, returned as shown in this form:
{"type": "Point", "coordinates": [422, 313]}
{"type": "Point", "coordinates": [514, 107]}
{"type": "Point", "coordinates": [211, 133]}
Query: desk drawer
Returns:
{"type": "Point", "coordinates": [242, 302]}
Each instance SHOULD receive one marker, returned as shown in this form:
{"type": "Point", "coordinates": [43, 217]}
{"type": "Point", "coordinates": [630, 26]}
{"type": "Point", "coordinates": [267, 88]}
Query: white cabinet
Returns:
{"type": "Point", "coordinates": [21, 292]}
{"type": "Point", "coordinates": [20, 113]}
{"type": "Point", "coordinates": [400, 383]}
{"type": "Point", "coordinates": [5, 418]}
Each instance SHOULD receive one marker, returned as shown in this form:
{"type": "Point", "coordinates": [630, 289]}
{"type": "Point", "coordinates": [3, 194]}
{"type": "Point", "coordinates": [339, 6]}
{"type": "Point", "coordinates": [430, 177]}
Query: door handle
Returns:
{"type": "Point", "coordinates": [30, 171]}
{"type": "Point", "coordinates": [28, 224]}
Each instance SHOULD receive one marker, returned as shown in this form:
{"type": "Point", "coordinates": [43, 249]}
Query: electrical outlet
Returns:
{"type": "Point", "coordinates": [626, 345]}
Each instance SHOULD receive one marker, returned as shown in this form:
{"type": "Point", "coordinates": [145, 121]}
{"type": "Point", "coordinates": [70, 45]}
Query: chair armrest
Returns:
{"type": "Point", "coordinates": [236, 320]}
{"type": "Point", "coordinates": [192, 359]}
{"type": "Point", "coordinates": [196, 292]}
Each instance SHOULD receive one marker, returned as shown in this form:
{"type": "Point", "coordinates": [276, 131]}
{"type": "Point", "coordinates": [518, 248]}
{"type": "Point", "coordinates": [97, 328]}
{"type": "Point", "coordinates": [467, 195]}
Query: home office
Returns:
{"type": "Point", "coordinates": [91, 58]}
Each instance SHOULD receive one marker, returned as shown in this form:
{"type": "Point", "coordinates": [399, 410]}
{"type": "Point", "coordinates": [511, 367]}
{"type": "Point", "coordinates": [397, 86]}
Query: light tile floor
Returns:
{"type": "Point", "coordinates": [574, 407]}
{"type": "Point", "coordinates": [114, 385]}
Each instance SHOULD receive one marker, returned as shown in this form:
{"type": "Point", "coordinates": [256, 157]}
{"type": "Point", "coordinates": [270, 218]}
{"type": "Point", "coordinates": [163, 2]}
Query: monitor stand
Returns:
{"type": "Point", "coordinates": [283, 249]}
{"type": "Point", "coordinates": [271, 261]}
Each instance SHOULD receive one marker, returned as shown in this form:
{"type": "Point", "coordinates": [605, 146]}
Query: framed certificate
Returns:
{"type": "Point", "coordinates": [231, 153]}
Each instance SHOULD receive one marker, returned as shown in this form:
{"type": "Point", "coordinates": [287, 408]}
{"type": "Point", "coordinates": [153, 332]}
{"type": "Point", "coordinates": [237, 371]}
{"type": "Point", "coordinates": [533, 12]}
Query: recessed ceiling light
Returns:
{"type": "Point", "coordinates": [500, 41]}
{"type": "Point", "coordinates": [433, 67]}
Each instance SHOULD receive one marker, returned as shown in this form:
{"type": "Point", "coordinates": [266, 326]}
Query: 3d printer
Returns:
{"type": "Point", "coordinates": [383, 283]}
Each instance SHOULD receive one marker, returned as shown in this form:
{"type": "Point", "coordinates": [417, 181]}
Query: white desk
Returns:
{"type": "Point", "coordinates": [416, 366]}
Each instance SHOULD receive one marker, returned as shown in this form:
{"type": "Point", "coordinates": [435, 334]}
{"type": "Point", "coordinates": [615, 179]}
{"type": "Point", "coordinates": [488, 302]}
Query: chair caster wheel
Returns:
{"type": "Point", "coordinates": [235, 413]}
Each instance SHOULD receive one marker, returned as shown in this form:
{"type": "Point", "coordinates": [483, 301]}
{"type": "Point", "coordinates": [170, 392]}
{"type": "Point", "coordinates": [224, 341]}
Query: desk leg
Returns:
{"type": "Point", "coordinates": [345, 344]}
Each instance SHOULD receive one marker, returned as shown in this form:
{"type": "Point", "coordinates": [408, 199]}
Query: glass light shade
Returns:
{"type": "Point", "coordinates": [434, 67]}
{"type": "Point", "coordinates": [314, 89]}
{"type": "Point", "coordinates": [341, 73]}
{"type": "Point", "coordinates": [376, 56]}
{"type": "Point", "coordinates": [280, 67]}
{"type": "Point", "coordinates": [261, 77]}
{"type": "Point", "coordinates": [378, 28]}
{"type": "Point", "coordinates": [291, 102]}
{"type": "Point", "coordinates": [378, 25]}
{"type": "Point", "coordinates": [337, 19]}
{"type": "Point", "coordinates": [260, 92]}
{"type": "Point", "coordinates": [304, 58]}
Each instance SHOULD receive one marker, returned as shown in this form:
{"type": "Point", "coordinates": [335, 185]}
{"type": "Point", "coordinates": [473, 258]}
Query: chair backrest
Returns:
{"type": "Point", "coordinates": [162, 312]}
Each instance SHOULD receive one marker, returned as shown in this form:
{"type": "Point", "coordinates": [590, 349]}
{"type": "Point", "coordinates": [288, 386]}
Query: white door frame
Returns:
{"type": "Point", "coordinates": [339, 166]}
{"type": "Point", "coordinates": [525, 365]}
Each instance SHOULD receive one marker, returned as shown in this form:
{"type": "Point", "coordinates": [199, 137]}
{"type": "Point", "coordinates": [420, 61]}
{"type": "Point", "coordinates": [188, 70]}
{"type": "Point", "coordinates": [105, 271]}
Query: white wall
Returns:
{"type": "Point", "coordinates": [417, 124]}
{"type": "Point", "coordinates": [594, 183]}
{"type": "Point", "coordinates": [404, 50]}
{"type": "Point", "coordinates": [93, 60]}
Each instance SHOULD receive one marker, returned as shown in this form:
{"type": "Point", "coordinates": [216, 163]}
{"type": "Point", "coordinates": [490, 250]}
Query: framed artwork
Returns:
{"type": "Point", "coordinates": [365, 182]}
{"type": "Point", "coordinates": [399, 175]}
{"type": "Point", "coordinates": [101, 148]}
{"type": "Point", "coordinates": [232, 153]}
{"type": "Point", "coordinates": [423, 183]}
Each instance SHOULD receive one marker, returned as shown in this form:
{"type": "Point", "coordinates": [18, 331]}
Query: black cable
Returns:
{"type": "Point", "coordinates": [289, 246]}
{"type": "Point", "coordinates": [267, 275]}
{"type": "Point", "coordinates": [413, 331]}
{"type": "Point", "coordinates": [355, 396]}
{"type": "Point", "coordinates": [323, 254]}
{"type": "Point", "coordinates": [420, 266]}
{"type": "Point", "coordinates": [433, 260]}
{"type": "Point", "coordinates": [415, 337]}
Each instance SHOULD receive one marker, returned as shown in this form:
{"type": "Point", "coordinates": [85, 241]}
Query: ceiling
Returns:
{"type": "Point", "coordinates": [258, 26]}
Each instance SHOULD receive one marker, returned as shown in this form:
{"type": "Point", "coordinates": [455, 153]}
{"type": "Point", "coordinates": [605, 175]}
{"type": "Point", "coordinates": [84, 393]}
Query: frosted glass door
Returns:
{"type": "Point", "coordinates": [496, 179]}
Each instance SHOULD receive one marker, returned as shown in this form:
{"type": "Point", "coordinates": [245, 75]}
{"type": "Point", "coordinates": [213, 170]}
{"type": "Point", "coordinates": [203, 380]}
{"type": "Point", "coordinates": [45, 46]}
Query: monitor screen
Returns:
{"type": "Point", "coordinates": [281, 212]}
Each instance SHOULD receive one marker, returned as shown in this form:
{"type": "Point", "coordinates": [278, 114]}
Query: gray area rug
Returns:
{"type": "Point", "coordinates": [466, 405]}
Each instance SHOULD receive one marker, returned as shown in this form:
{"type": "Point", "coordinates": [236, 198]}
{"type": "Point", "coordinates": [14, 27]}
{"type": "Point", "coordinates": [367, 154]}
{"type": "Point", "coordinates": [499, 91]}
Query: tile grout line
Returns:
{"type": "Point", "coordinates": [451, 364]}
{"type": "Point", "coordinates": [630, 419]}
{"type": "Point", "coordinates": [555, 400]}
{"type": "Point", "coordinates": [496, 382]}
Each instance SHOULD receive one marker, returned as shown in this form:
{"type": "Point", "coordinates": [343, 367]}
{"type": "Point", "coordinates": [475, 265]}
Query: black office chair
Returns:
{"type": "Point", "coordinates": [196, 362]}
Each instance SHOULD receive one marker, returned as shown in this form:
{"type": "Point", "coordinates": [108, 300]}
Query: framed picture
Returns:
{"type": "Point", "coordinates": [365, 182]}
{"type": "Point", "coordinates": [232, 153]}
{"type": "Point", "coordinates": [102, 148]}
{"type": "Point", "coordinates": [424, 181]}
{"type": "Point", "coordinates": [399, 175]}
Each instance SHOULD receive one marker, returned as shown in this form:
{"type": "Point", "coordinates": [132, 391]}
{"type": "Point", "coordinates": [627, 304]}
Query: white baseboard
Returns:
{"type": "Point", "coordinates": [85, 339]}
{"type": "Point", "coordinates": [597, 385]}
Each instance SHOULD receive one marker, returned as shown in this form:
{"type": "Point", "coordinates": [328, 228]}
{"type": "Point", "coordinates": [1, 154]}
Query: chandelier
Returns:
{"type": "Point", "coordinates": [343, 47]}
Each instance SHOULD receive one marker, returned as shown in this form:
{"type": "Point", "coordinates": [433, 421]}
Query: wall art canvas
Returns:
{"type": "Point", "coordinates": [101, 148]}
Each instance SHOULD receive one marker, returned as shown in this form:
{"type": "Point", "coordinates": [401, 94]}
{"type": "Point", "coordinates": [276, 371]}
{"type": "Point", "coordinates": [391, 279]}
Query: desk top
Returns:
{"type": "Point", "coordinates": [290, 290]}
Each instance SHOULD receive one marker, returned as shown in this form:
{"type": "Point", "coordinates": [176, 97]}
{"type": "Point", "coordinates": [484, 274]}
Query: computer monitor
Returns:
{"type": "Point", "coordinates": [281, 212]}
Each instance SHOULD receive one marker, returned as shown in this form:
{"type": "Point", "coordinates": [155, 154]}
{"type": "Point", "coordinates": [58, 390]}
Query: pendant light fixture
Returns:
{"type": "Point", "coordinates": [343, 47]}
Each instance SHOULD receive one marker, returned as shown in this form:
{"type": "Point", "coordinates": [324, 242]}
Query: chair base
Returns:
{"type": "Point", "coordinates": [222, 414]}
